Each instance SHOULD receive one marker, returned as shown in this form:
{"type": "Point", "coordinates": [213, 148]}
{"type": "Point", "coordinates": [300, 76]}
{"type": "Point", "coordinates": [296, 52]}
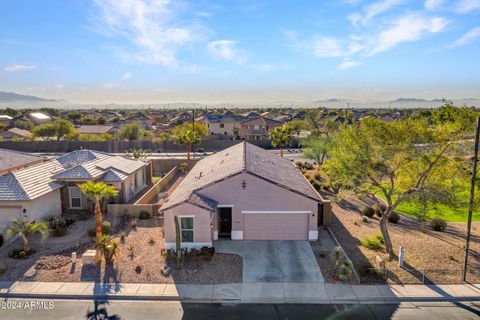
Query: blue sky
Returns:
{"type": "Point", "coordinates": [143, 51]}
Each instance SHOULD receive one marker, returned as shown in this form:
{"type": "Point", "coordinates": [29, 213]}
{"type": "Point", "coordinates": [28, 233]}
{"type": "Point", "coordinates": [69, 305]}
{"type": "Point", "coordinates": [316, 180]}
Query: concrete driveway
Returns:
{"type": "Point", "coordinates": [274, 261]}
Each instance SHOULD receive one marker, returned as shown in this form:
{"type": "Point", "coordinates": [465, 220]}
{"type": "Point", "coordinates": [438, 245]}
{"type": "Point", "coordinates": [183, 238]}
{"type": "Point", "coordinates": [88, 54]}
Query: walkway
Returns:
{"type": "Point", "coordinates": [274, 261]}
{"type": "Point", "coordinates": [243, 293]}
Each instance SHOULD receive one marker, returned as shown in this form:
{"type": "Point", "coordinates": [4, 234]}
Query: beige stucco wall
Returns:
{"type": "Point", "coordinates": [202, 234]}
{"type": "Point", "coordinates": [214, 127]}
{"type": "Point", "coordinates": [259, 195]}
{"type": "Point", "coordinates": [130, 192]}
{"type": "Point", "coordinates": [37, 209]}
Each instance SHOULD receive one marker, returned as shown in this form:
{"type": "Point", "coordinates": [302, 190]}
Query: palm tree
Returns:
{"type": "Point", "coordinates": [188, 135]}
{"type": "Point", "coordinates": [25, 229]}
{"type": "Point", "coordinates": [281, 136]}
{"type": "Point", "coordinates": [137, 154]}
{"type": "Point", "coordinates": [97, 192]}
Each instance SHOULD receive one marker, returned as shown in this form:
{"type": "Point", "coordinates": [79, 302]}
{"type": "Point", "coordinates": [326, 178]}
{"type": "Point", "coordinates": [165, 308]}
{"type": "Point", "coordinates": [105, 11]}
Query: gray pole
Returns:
{"type": "Point", "coordinates": [472, 198]}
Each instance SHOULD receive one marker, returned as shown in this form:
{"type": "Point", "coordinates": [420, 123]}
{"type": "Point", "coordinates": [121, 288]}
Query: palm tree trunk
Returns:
{"type": "Point", "coordinates": [26, 244]}
{"type": "Point", "coordinates": [98, 228]}
{"type": "Point", "coordinates": [188, 151]}
{"type": "Point", "coordinates": [281, 150]}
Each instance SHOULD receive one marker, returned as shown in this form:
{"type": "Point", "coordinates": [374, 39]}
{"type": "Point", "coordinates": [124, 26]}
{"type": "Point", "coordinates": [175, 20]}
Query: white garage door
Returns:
{"type": "Point", "coordinates": [6, 215]}
{"type": "Point", "coordinates": [275, 226]}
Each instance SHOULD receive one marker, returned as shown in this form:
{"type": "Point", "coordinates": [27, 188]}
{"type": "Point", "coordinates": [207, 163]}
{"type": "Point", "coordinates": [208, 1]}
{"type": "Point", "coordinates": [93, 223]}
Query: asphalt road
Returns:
{"type": "Point", "coordinates": [115, 310]}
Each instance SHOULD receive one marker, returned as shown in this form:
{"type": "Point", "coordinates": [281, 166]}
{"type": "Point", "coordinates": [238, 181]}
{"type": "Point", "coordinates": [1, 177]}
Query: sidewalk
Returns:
{"type": "Point", "coordinates": [242, 292]}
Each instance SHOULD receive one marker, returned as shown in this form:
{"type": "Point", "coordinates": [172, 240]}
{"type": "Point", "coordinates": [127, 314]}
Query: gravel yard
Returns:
{"type": "Point", "coordinates": [427, 250]}
{"type": "Point", "coordinates": [146, 243]}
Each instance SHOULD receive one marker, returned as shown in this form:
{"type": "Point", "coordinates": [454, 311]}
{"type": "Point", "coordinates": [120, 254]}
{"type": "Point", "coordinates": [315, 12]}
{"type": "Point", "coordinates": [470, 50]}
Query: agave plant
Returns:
{"type": "Point", "coordinates": [137, 154]}
{"type": "Point", "coordinates": [25, 228]}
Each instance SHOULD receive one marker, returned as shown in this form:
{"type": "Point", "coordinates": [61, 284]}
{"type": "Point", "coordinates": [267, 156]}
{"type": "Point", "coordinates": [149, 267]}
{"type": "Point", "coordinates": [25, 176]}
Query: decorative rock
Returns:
{"type": "Point", "coordinates": [88, 257]}
{"type": "Point", "coordinates": [30, 273]}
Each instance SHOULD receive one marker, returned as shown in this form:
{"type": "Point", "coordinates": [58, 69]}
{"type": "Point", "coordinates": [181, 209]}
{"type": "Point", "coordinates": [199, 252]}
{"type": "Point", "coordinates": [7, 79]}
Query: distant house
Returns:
{"type": "Point", "coordinates": [244, 193]}
{"type": "Point", "coordinates": [96, 129]}
{"type": "Point", "coordinates": [12, 133]}
{"type": "Point", "coordinates": [5, 121]}
{"type": "Point", "coordinates": [181, 118]}
{"type": "Point", "coordinates": [51, 187]}
{"type": "Point", "coordinates": [257, 129]}
{"type": "Point", "coordinates": [227, 123]}
{"type": "Point", "coordinates": [39, 118]}
{"type": "Point", "coordinates": [13, 160]}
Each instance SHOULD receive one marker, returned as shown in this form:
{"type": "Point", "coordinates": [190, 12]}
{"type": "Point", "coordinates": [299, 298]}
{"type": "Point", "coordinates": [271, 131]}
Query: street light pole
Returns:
{"type": "Point", "coordinates": [472, 198]}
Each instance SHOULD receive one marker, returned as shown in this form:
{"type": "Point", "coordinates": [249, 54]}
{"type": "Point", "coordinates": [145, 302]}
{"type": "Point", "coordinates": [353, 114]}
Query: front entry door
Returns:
{"type": "Point", "coordinates": [225, 224]}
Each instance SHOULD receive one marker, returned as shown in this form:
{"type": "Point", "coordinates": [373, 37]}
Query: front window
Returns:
{"type": "Point", "coordinates": [186, 229]}
{"type": "Point", "coordinates": [222, 125]}
{"type": "Point", "coordinates": [256, 127]}
{"type": "Point", "coordinates": [75, 197]}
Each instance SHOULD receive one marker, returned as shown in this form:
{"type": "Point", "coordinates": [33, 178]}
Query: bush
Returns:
{"type": "Point", "coordinates": [144, 215]}
{"type": "Point", "coordinates": [368, 212]}
{"type": "Point", "coordinates": [316, 185]}
{"type": "Point", "coordinates": [299, 164]}
{"type": "Point", "coordinates": [374, 243]}
{"type": "Point", "coordinates": [57, 222]}
{"type": "Point", "coordinates": [438, 224]}
{"type": "Point", "coordinates": [394, 217]}
{"type": "Point", "coordinates": [365, 219]}
{"type": "Point", "coordinates": [106, 227]}
{"type": "Point", "coordinates": [311, 180]}
{"type": "Point", "coordinates": [317, 176]}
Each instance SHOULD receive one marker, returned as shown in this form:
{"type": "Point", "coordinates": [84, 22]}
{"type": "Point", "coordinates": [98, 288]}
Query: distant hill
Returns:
{"type": "Point", "coordinates": [20, 99]}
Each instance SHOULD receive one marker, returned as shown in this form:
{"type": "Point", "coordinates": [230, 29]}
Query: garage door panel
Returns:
{"type": "Point", "coordinates": [285, 226]}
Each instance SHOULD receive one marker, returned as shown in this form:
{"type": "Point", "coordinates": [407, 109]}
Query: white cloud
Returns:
{"type": "Point", "coordinates": [410, 27]}
{"type": "Point", "coordinates": [326, 47]}
{"type": "Point", "coordinates": [111, 86]}
{"type": "Point", "coordinates": [372, 10]}
{"type": "Point", "coordinates": [59, 86]}
{"type": "Point", "coordinates": [467, 37]}
{"type": "Point", "coordinates": [19, 67]}
{"type": "Point", "coordinates": [149, 25]}
{"type": "Point", "coordinates": [466, 6]}
{"type": "Point", "coordinates": [433, 4]}
{"type": "Point", "coordinates": [225, 49]}
{"type": "Point", "coordinates": [127, 76]}
{"type": "Point", "coordinates": [348, 64]}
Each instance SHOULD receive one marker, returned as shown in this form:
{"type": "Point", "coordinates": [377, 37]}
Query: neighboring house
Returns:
{"type": "Point", "coordinates": [96, 129]}
{"type": "Point", "coordinates": [51, 187]}
{"type": "Point", "coordinates": [5, 121]}
{"type": "Point", "coordinates": [227, 123]}
{"type": "Point", "coordinates": [39, 118]}
{"type": "Point", "coordinates": [244, 193]}
{"type": "Point", "coordinates": [16, 133]}
{"type": "Point", "coordinates": [257, 129]}
{"type": "Point", "coordinates": [181, 118]}
{"type": "Point", "coordinates": [12, 160]}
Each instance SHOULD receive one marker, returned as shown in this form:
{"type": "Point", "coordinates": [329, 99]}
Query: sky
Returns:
{"type": "Point", "coordinates": [207, 51]}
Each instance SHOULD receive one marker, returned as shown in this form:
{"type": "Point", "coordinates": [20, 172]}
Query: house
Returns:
{"type": "Point", "coordinates": [39, 118]}
{"type": "Point", "coordinates": [51, 187]}
{"type": "Point", "coordinates": [257, 129]}
{"type": "Point", "coordinates": [244, 193]}
{"type": "Point", "coordinates": [5, 121]}
{"type": "Point", "coordinates": [181, 119]}
{"type": "Point", "coordinates": [96, 129]}
{"type": "Point", "coordinates": [12, 133]}
{"type": "Point", "coordinates": [12, 160]}
{"type": "Point", "coordinates": [227, 123]}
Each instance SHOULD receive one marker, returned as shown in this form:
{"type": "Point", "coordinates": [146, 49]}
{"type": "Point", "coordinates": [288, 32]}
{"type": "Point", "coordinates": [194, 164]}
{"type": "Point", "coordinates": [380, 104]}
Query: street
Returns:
{"type": "Point", "coordinates": [165, 310]}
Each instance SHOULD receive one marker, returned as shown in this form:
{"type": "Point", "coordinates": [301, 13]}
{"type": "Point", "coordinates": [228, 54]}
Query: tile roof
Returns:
{"type": "Point", "coordinates": [39, 179]}
{"type": "Point", "coordinates": [20, 132]}
{"type": "Point", "coordinates": [262, 121]}
{"type": "Point", "coordinates": [242, 157]}
{"type": "Point", "coordinates": [10, 159]}
{"type": "Point", "coordinates": [92, 129]}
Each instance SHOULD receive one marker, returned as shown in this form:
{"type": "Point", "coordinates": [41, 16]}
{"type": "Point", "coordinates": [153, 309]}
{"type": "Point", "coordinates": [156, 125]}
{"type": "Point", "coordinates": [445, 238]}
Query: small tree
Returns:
{"type": "Point", "coordinates": [131, 131]}
{"type": "Point", "coordinates": [281, 136]}
{"type": "Point", "coordinates": [25, 229]}
{"type": "Point", "coordinates": [97, 192]}
{"type": "Point", "coordinates": [186, 134]}
{"type": "Point", "coordinates": [56, 129]}
{"type": "Point", "coordinates": [163, 138]}
{"type": "Point", "coordinates": [316, 147]}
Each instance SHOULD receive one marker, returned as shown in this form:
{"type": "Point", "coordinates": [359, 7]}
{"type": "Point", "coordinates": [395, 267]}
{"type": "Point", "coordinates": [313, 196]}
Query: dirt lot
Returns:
{"type": "Point", "coordinates": [222, 268]}
{"type": "Point", "coordinates": [427, 250]}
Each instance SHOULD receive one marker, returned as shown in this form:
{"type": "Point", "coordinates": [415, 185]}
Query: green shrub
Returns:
{"type": "Point", "coordinates": [374, 243]}
{"type": "Point", "coordinates": [57, 222]}
{"type": "Point", "coordinates": [356, 223]}
{"type": "Point", "coordinates": [299, 164]}
{"type": "Point", "coordinates": [106, 227]}
{"type": "Point", "coordinates": [438, 224]}
{"type": "Point", "coordinates": [311, 180]}
{"type": "Point", "coordinates": [22, 254]}
{"type": "Point", "coordinates": [367, 211]}
{"type": "Point", "coordinates": [317, 176]}
{"type": "Point", "coordinates": [365, 219]}
{"type": "Point", "coordinates": [393, 217]}
{"type": "Point", "coordinates": [144, 215]}
{"type": "Point", "coordinates": [316, 185]}
{"type": "Point", "coordinates": [378, 212]}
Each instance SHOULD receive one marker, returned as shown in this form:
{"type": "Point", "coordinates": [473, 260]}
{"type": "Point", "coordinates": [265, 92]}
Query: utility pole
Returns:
{"type": "Point", "coordinates": [472, 198]}
{"type": "Point", "coordinates": [193, 129]}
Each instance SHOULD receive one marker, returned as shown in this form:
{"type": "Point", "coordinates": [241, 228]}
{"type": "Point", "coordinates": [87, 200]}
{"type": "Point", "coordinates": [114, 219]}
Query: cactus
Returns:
{"type": "Point", "coordinates": [178, 241]}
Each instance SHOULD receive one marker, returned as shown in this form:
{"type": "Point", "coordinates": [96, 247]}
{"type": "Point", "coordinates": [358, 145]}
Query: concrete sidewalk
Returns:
{"type": "Point", "coordinates": [242, 292]}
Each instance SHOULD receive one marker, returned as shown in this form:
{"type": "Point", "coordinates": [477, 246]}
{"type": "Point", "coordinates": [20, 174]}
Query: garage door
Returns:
{"type": "Point", "coordinates": [275, 226]}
